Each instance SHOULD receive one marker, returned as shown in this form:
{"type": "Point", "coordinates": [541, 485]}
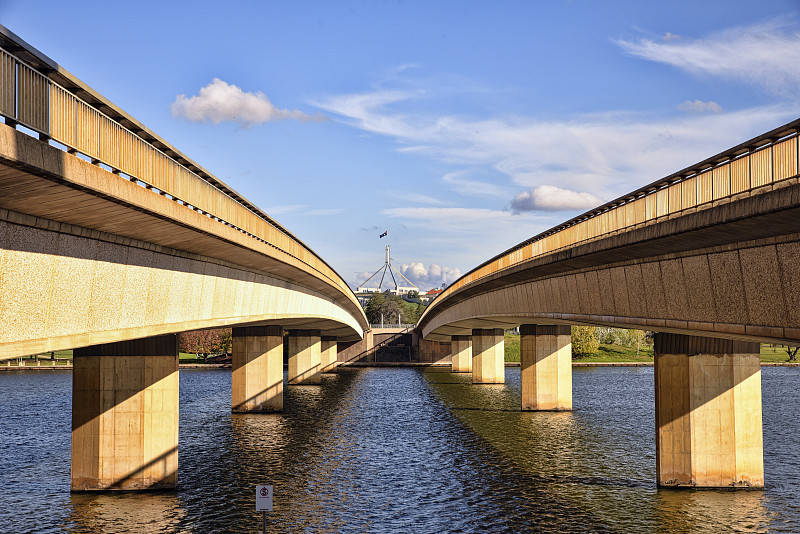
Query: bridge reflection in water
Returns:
{"type": "Point", "coordinates": [404, 450]}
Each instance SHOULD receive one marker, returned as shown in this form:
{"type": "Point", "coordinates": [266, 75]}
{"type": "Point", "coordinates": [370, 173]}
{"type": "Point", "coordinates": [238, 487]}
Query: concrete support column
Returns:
{"type": "Point", "coordinates": [546, 367]}
{"type": "Point", "coordinates": [257, 378]}
{"type": "Point", "coordinates": [329, 354]}
{"type": "Point", "coordinates": [125, 415]}
{"type": "Point", "coordinates": [708, 412]}
{"type": "Point", "coordinates": [461, 354]}
{"type": "Point", "coordinates": [488, 356]}
{"type": "Point", "coordinates": [305, 358]}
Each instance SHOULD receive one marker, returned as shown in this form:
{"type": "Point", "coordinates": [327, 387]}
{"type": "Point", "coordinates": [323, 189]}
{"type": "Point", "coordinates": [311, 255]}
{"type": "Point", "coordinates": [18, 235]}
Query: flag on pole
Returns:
{"type": "Point", "coordinates": [384, 234]}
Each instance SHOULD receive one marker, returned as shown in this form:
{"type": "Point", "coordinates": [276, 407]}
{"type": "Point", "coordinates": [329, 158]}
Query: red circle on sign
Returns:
{"type": "Point", "coordinates": [264, 492]}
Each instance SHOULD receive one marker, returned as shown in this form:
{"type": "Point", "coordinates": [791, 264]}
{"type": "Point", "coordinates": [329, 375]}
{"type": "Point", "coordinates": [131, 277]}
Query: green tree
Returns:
{"type": "Point", "coordinates": [226, 340]}
{"type": "Point", "coordinates": [373, 307]}
{"type": "Point", "coordinates": [632, 338]}
{"type": "Point", "coordinates": [203, 342]}
{"type": "Point", "coordinates": [391, 308]}
{"type": "Point", "coordinates": [584, 341]}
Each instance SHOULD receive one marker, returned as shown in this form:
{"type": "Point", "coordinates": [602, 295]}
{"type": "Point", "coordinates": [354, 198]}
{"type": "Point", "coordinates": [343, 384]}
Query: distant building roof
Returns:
{"type": "Point", "coordinates": [433, 292]}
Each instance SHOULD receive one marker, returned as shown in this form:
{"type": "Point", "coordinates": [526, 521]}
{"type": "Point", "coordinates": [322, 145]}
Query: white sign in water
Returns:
{"type": "Point", "coordinates": [263, 498]}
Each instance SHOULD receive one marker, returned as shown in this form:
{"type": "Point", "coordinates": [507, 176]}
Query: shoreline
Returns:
{"type": "Point", "coordinates": [196, 366]}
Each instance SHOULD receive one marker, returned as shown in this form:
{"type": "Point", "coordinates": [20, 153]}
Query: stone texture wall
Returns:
{"type": "Point", "coordinates": [61, 291]}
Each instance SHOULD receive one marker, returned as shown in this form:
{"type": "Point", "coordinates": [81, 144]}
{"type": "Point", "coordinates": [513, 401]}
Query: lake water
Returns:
{"type": "Point", "coordinates": [397, 450]}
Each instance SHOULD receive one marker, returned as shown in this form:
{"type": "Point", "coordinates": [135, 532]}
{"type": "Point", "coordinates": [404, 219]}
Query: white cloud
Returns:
{"type": "Point", "coordinates": [764, 55]}
{"type": "Point", "coordinates": [434, 276]}
{"type": "Point", "coordinates": [424, 278]}
{"type": "Point", "coordinates": [698, 106]}
{"type": "Point", "coordinates": [221, 102]}
{"type": "Point", "coordinates": [552, 198]}
{"type": "Point", "coordinates": [605, 154]}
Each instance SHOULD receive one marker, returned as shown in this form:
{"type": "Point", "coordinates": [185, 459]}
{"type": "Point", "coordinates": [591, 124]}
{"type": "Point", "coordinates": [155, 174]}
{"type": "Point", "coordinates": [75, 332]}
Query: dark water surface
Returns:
{"type": "Point", "coordinates": [397, 450]}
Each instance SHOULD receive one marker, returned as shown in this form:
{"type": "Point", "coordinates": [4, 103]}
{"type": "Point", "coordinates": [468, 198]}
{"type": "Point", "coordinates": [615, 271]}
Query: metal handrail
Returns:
{"type": "Point", "coordinates": [75, 116]}
{"type": "Point", "coordinates": [761, 161]}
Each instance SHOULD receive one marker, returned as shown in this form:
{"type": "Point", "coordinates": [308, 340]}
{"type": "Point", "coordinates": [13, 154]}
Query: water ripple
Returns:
{"type": "Point", "coordinates": [396, 451]}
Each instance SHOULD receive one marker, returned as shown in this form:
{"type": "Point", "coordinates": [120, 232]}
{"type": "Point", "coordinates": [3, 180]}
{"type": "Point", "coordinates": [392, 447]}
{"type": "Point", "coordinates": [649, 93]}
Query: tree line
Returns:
{"type": "Point", "coordinates": [391, 307]}
{"type": "Point", "coordinates": [206, 342]}
{"type": "Point", "coordinates": [586, 340]}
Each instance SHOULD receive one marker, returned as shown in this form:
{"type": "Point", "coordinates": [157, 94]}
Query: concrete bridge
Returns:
{"type": "Point", "coordinates": [707, 257]}
{"type": "Point", "coordinates": [111, 242]}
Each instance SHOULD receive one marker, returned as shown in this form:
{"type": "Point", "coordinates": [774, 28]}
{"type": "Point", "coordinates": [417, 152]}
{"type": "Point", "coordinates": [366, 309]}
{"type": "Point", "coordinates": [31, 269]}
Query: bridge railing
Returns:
{"type": "Point", "coordinates": [742, 170]}
{"type": "Point", "coordinates": [32, 99]}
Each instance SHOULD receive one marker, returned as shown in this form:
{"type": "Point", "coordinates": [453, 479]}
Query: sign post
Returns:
{"type": "Point", "coordinates": [264, 502]}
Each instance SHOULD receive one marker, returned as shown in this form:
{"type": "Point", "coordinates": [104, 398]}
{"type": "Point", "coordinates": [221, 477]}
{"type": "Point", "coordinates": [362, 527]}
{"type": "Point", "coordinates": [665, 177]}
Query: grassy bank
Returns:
{"type": "Point", "coordinates": [64, 358]}
{"type": "Point", "coordinates": [608, 353]}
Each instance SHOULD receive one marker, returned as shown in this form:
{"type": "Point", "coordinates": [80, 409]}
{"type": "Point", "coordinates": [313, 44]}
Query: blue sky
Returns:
{"type": "Point", "coordinates": [462, 128]}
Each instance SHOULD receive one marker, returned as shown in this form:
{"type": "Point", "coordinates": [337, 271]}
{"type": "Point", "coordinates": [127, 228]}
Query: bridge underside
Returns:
{"type": "Point", "coordinates": [716, 272]}
{"type": "Point", "coordinates": [62, 291]}
{"type": "Point", "coordinates": [88, 257]}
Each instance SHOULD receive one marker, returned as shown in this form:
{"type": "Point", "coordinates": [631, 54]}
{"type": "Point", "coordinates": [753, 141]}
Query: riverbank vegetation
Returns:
{"type": "Point", "coordinates": [385, 308]}
{"type": "Point", "coordinates": [619, 345]}
{"type": "Point", "coordinates": [594, 344]}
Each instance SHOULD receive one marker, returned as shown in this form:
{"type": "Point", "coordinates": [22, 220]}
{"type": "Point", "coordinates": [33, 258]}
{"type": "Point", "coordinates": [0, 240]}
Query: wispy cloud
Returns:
{"type": "Point", "coordinates": [763, 55]}
{"type": "Point", "coordinates": [605, 154]}
{"type": "Point", "coordinates": [468, 235]}
{"type": "Point", "coordinates": [220, 101]}
{"type": "Point", "coordinates": [463, 183]}
{"type": "Point", "coordinates": [328, 211]}
{"type": "Point", "coordinates": [552, 198]}
{"type": "Point", "coordinates": [416, 198]}
{"type": "Point", "coordinates": [698, 106]}
{"type": "Point", "coordinates": [286, 208]}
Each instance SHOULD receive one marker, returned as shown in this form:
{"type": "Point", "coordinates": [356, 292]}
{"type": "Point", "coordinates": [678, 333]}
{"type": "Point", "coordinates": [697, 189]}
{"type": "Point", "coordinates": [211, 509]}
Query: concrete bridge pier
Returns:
{"type": "Point", "coordinates": [305, 357]}
{"type": "Point", "coordinates": [257, 377]}
{"type": "Point", "coordinates": [125, 415]}
{"type": "Point", "coordinates": [461, 354]}
{"type": "Point", "coordinates": [488, 356]}
{"type": "Point", "coordinates": [328, 354]}
{"type": "Point", "coordinates": [708, 412]}
{"type": "Point", "coordinates": [546, 367]}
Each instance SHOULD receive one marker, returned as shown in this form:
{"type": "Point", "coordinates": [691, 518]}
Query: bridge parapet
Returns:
{"type": "Point", "coordinates": [764, 163]}
{"type": "Point", "coordinates": [40, 95]}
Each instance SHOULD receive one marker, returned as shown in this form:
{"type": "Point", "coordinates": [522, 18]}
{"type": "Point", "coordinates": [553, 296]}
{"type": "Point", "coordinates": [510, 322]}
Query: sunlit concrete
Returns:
{"type": "Point", "coordinates": [328, 354]}
{"type": "Point", "coordinates": [488, 356]}
{"type": "Point", "coordinates": [130, 263]}
{"type": "Point", "coordinates": [305, 354]}
{"type": "Point", "coordinates": [125, 415]}
{"type": "Point", "coordinates": [461, 350]}
{"type": "Point", "coordinates": [708, 412]}
{"type": "Point", "coordinates": [257, 378]}
{"type": "Point", "coordinates": [546, 367]}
